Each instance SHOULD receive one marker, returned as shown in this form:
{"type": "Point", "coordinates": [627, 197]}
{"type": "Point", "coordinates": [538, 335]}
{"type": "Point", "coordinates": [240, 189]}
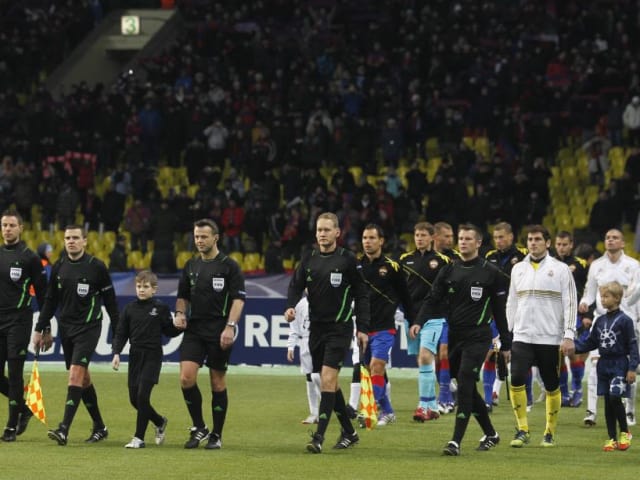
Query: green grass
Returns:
{"type": "Point", "coordinates": [263, 438]}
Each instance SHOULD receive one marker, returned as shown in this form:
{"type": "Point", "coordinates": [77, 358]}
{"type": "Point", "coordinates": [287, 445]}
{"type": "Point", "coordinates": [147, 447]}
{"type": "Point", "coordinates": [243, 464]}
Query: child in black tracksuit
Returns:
{"type": "Point", "coordinates": [143, 322]}
{"type": "Point", "coordinates": [613, 334]}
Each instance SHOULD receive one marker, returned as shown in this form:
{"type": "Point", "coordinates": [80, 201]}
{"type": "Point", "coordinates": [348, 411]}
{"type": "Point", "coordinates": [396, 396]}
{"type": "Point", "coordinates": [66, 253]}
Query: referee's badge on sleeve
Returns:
{"type": "Point", "coordinates": [335, 279]}
{"type": "Point", "coordinates": [218, 284]}
{"type": "Point", "coordinates": [476, 293]}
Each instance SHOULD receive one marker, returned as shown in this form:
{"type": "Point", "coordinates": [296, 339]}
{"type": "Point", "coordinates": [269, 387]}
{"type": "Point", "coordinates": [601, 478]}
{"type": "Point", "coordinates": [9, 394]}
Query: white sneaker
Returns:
{"type": "Point", "coordinates": [386, 419]}
{"type": "Point", "coordinates": [311, 419]}
{"type": "Point", "coordinates": [590, 419]}
{"type": "Point", "coordinates": [631, 419]}
{"type": "Point", "coordinates": [135, 443]}
{"type": "Point", "coordinates": [161, 431]}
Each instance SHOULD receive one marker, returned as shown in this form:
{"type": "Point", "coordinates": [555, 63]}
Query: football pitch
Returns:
{"type": "Point", "coordinates": [264, 439]}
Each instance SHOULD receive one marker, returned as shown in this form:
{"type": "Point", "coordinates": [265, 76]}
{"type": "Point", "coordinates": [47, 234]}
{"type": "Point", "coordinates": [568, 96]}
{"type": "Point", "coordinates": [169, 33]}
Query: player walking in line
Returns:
{"type": "Point", "coordinates": [20, 269]}
{"type": "Point", "coordinates": [210, 300]}
{"type": "Point", "coordinates": [541, 310]}
{"type": "Point", "coordinates": [333, 280]}
{"type": "Point", "coordinates": [473, 291]}
{"type": "Point", "coordinates": [143, 322]}
{"type": "Point", "coordinates": [80, 284]}
{"type": "Point", "coordinates": [421, 267]}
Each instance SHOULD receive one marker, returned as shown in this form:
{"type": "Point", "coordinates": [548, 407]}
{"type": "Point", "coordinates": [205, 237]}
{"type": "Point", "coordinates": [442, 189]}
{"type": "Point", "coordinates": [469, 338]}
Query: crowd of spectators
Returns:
{"type": "Point", "coordinates": [292, 93]}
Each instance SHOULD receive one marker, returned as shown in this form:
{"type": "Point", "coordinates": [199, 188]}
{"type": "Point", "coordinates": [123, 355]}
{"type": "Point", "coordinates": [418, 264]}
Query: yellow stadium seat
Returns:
{"type": "Point", "coordinates": [135, 258]}
{"type": "Point", "coordinates": [372, 179]}
{"type": "Point", "coordinates": [581, 220]}
{"type": "Point", "coordinates": [182, 258]}
{"type": "Point", "coordinates": [616, 152]}
{"type": "Point", "coordinates": [432, 147]}
{"type": "Point", "coordinates": [560, 209]}
{"type": "Point", "coordinates": [564, 222]}
{"type": "Point", "coordinates": [434, 162]}
{"type": "Point", "coordinates": [555, 183]}
{"type": "Point", "coordinates": [564, 153]}
{"type": "Point", "coordinates": [549, 222]}
{"type": "Point", "coordinates": [251, 262]}
{"type": "Point", "coordinates": [237, 256]}
{"type": "Point", "coordinates": [356, 172]}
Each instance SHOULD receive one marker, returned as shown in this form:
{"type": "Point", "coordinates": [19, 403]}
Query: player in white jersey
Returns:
{"type": "Point", "coordinates": [614, 265]}
{"type": "Point", "coordinates": [299, 336]}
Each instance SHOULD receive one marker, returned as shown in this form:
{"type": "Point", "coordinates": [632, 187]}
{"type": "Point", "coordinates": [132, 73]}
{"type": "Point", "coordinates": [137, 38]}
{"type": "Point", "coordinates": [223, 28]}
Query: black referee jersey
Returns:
{"type": "Point", "coordinates": [210, 286]}
{"type": "Point", "coordinates": [20, 268]}
{"type": "Point", "coordinates": [473, 291]}
{"type": "Point", "coordinates": [333, 282]}
{"type": "Point", "coordinates": [78, 289]}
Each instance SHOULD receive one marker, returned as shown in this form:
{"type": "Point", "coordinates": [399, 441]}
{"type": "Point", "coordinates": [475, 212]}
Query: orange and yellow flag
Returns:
{"type": "Point", "coordinates": [33, 397]}
{"type": "Point", "coordinates": [368, 408]}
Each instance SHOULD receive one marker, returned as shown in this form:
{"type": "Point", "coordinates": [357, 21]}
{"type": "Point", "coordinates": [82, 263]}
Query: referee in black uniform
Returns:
{"type": "Point", "coordinates": [80, 284]}
{"type": "Point", "coordinates": [211, 296]}
{"type": "Point", "coordinates": [474, 290]}
{"type": "Point", "coordinates": [20, 267]}
{"type": "Point", "coordinates": [330, 275]}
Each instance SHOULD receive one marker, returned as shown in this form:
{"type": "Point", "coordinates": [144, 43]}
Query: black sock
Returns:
{"type": "Point", "coordinates": [481, 413]}
{"type": "Point", "coordinates": [340, 408]}
{"type": "Point", "coordinates": [219, 405]}
{"type": "Point", "coordinates": [16, 391]}
{"type": "Point", "coordinates": [327, 404]}
{"type": "Point", "coordinates": [90, 399]}
{"type": "Point", "coordinates": [74, 396]}
{"type": "Point", "coordinates": [193, 399]}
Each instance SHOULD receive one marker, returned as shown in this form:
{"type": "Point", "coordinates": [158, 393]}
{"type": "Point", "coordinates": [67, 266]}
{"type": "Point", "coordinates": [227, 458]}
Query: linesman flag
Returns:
{"type": "Point", "coordinates": [33, 396]}
{"type": "Point", "coordinates": [368, 408]}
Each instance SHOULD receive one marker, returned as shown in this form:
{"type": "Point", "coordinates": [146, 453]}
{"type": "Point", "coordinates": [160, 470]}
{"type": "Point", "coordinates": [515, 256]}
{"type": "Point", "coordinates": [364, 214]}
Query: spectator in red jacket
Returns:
{"type": "Point", "coordinates": [233, 224]}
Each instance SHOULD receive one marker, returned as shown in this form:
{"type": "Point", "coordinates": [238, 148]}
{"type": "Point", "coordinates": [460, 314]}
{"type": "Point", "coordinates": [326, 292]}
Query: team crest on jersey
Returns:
{"type": "Point", "coordinates": [335, 279]}
{"type": "Point", "coordinates": [550, 274]}
{"type": "Point", "coordinates": [382, 271]}
{"type": "Point", "coordinates": [83, 289]}
{"type": "Point", "coordinates": [15, 273]}
{"type": "Point", "coordinates": [218, 284]}
{"type": "Point", "coordinates": [476, 293]}
{"type": "Point", "coordinates": [433, 263]}
{"type": "Point", "coordinates": [153, 312]}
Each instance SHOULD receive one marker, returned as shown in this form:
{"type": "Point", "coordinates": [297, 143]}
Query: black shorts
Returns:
{"type": "Point", "coordinates": [144, 366]}
{"type": "Point", "coordinates": [79, 348]}
{"type": "Point", "coordinates": [205, 349]}
{"type": "Point", "coordinates": [329, 344]}
{"type": "Point", "coordinates": [14, 339]}
{"type": "Point", "coordinates": [545, 357]}
{"type": "Point", "coordinates": [466, 356]}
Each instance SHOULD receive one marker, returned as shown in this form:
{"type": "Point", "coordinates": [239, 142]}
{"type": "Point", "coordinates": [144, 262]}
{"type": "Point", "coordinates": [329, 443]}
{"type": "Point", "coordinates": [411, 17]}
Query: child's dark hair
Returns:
{"type": "Point", "coordinates": [147, 276]}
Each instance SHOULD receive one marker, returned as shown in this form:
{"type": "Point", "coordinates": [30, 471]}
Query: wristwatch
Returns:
{"type": "Point", "coordinates": [232, 324]}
